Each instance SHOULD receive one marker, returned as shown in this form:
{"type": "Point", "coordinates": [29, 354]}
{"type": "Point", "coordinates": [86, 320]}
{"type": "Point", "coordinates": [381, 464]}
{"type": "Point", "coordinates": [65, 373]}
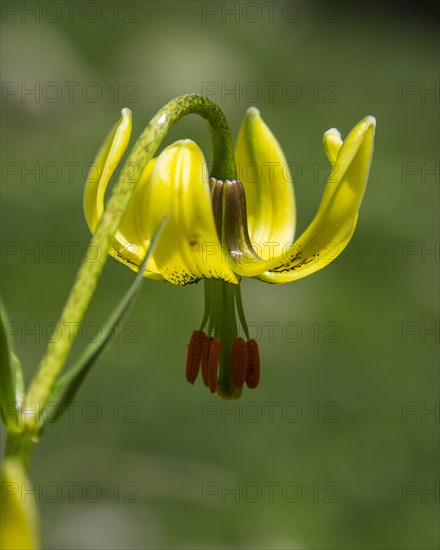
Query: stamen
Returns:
{"type": "Point", "coordinates": [194, 357]}
{"type": "Point", "coordinates": [253, 364]}
{"type": "Point", "coordinates": [239, 361]}
{"type": "Point", "coordinates": [214, 358]}
{"type": "Point", "coordinates": [205, 360]}
{"type": "Point", "coordinates": [226, 361]}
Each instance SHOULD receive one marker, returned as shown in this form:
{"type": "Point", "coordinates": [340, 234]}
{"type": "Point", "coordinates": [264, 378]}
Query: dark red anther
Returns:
{"type": "Point", "coordinates": [205, 360]}
{"type": "Point", "coordinates": [253, 364]}
{"type": "Point", "coordinates": [239, 361]}
{"type": "Point", "coordinates": [214, 358]}
{"type": "Point", "coordinates": [194, 357]}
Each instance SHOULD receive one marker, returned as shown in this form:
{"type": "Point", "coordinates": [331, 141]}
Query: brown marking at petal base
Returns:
{"type": "Point", "coordinates": [214, 358]}
{"type": "Point", "coordinates": [205, 360]}
{"type": "Point", "coordinates": [253, 364]}
{"type": "Point", "coordinates": [239, 361]}
{"type": "Point", "coordinates": [194, 357]}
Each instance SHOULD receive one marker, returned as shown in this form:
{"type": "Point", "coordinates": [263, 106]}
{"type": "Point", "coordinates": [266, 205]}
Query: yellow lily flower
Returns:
{"type": "Point", "coordinates": [222, 230]}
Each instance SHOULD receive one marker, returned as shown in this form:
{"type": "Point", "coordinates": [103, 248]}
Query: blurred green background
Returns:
{"type": "Point", "coordinates": [336, 448]}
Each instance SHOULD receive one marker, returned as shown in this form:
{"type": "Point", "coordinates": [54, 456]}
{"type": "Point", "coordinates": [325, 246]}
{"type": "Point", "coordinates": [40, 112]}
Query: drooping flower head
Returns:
{"type": "Point", "coordinates": [221, 230]}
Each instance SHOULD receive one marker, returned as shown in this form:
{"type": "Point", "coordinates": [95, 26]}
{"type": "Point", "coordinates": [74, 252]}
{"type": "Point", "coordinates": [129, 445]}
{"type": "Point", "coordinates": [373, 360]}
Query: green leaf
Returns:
{"type": "Point", "coordinates": [69, 383]}
{"type": "Point", "coordinates": [11, 375]}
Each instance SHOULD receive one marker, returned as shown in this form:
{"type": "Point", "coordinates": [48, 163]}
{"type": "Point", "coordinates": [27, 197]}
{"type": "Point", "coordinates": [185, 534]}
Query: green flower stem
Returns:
{"type": "Point", "coordinates": [89, 272]}
{"type": "Point", "coordinates": [19, 445]}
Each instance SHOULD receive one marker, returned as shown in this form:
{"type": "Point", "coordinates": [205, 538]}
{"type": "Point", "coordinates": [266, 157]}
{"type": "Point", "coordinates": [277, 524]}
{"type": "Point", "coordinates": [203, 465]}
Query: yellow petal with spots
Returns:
{"type": "Point", "coordinates": [189, 248]}
{"type": "Point", "coordinates": [335, 221]}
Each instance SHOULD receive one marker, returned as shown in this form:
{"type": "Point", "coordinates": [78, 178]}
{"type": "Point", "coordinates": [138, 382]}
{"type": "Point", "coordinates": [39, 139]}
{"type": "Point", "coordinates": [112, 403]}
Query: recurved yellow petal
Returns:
{"type": "Point", "coordinates": [103, 167]}
{"type": "Point", "coordinates": [130, 246]}
{"type": "Point", "coordinates": [18, 510]}
{"type": "Point", "coordinates": [265, 175]}
{"type": "Point", "coordinates": [189, 248]}
{"type": "Point", "coordinates": [335, 221]}
{"type": "Point", "coordinates": [132, 238]}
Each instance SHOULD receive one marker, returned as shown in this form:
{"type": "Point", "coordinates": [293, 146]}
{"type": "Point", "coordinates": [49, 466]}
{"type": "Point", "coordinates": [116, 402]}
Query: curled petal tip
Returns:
{"type": "Point", "coordinates": [372, 122]}
{"type": "Point", "coordinates": [332, 142]}
{"type": "Point", "coordinates": [369, 122]}
{"type": "Point", "coordinates": [253, 111]}
{"type": "Point", "coordinates": [332, 133]}
{"type": "Point", "coordinates": [125, 120]}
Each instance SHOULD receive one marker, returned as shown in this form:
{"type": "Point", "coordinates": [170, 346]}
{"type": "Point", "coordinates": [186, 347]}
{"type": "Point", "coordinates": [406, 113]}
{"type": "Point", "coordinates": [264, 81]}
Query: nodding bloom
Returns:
{"type": "Point", "coordinates": [221, 230]}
